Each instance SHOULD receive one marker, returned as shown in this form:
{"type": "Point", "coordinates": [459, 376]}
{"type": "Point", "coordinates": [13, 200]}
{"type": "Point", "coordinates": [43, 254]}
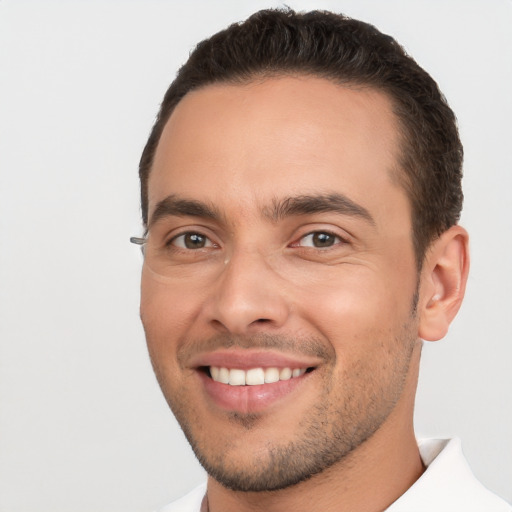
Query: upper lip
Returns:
{"type": "Point", "coordinates": [246, 359]}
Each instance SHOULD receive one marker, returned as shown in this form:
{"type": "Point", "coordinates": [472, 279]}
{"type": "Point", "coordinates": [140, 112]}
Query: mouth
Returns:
{"type": "Point", "coordinates": [258, 376]}
{"type": "Point", "coordinates": [247, 383]}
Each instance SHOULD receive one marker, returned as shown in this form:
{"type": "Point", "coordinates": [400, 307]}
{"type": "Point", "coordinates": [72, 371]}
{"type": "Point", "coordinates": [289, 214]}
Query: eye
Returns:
{"type": "Point", "coordinates": [319, 240]}
{"type": "Point", "coordinates": [191, 240]}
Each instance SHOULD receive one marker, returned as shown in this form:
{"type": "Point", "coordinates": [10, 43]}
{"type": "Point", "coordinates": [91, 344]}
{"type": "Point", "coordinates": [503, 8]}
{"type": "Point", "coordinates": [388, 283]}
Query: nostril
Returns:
{"type": "Point", "coordinates": [262, 320]}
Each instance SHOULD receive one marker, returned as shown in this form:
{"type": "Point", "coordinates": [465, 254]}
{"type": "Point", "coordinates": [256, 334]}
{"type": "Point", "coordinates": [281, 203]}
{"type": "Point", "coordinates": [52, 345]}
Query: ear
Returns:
{"type": "Point", "coordinates": [443, 282]}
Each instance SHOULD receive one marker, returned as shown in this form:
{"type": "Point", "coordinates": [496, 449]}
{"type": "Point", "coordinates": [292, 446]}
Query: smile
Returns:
{"type": "Point", "coordinates": [253, 376]}
{"type": "Point", "coordinates": [252, 380]}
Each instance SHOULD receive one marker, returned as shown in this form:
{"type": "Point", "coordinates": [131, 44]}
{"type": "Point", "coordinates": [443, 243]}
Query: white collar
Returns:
{"type": "Point", "coordinates": [447, 485]}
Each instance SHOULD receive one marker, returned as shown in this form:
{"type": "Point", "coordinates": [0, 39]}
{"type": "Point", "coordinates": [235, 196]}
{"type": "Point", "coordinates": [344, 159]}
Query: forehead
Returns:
{"type": "Point", "coordinates": [276, 137]}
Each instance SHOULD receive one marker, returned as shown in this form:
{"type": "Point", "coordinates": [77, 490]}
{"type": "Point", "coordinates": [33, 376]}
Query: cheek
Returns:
{"type": "Point", "coordinates": [166, 312]}
{"type": "Point", "coordinates": [356, 304]}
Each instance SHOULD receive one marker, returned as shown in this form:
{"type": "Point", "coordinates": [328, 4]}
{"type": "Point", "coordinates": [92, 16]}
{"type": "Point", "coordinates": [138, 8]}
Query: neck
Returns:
{"type": "Point", "coordinates": [369, 479]}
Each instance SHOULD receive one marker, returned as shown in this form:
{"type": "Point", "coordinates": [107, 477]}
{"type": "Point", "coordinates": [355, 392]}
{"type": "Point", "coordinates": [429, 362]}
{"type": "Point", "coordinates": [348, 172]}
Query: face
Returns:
{"type": "Point", "coordinates": [279, 281]}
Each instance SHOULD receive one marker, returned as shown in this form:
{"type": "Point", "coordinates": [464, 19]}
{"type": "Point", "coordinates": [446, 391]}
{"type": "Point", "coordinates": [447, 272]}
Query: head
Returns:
{"type": "Point", "coordinates": [347, 52]}
{"type": "Point", "coordinates": [300, 192]}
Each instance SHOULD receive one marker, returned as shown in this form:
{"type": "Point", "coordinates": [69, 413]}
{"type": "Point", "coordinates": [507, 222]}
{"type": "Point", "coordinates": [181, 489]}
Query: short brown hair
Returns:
{"type": "Point", "coordinates": [280, 41]}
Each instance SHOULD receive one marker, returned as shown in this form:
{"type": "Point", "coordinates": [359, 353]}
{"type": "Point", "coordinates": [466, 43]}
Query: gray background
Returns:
{"type": "Point", "coordinates": [83, 426]}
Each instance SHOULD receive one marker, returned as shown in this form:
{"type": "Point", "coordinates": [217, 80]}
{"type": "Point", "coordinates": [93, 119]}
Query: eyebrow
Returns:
{"type": "Point", "coordinates": [323, 203]}
{"type": "Point", "coordinates": [174, 206]}
{"type": "Point", "coordinates": [281, 208]}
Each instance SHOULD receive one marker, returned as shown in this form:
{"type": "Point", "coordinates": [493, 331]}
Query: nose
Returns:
{"type": "Point", "coordinates": [248, 296]}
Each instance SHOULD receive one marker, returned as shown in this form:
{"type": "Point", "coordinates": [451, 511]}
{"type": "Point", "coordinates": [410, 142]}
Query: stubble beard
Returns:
{"type": "Point", "coordinates": [326, 436]}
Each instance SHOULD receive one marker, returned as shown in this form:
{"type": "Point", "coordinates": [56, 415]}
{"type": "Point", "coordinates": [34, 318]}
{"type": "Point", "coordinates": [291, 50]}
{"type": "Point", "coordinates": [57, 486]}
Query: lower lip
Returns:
{"type": "Point", "coordinates": [250, 399]}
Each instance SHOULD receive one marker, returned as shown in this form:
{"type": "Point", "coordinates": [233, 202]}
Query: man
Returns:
{"type": "Point", "coordinates": [301, 193]}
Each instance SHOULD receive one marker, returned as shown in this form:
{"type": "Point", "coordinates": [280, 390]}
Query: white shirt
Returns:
{"type": "Point", "coordinates": [447, 485]}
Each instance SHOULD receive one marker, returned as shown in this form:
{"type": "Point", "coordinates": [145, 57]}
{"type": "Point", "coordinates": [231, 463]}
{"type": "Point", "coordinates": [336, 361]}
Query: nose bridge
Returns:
{"type": "Point", "coordinates": [248, 293]}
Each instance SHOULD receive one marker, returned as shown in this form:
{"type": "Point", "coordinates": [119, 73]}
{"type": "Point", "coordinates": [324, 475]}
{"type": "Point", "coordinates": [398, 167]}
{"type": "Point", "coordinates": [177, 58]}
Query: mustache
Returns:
{"type": "Point", "coordinates": [305, 346]}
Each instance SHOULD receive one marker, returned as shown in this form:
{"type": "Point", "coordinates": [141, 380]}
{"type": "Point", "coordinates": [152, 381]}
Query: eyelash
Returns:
{"type": "Point", "coordinates": [171, 242]}
{"type": "Point", "coordinates": [338, 240]}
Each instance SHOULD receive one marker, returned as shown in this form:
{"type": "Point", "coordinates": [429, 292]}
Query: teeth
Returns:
{"type": "Point", "coordinates": [223, 375]}
{"type": "Point", "coordinates": [236, 377]}
{"type": "Point", "coordinates": [285, 374]}
{"type": "Point", "coordinates": [254, 376]}
{"type": "Point", "coordinates": [271, 375]}
{"type": "Point", "coordinates": [215, 370]}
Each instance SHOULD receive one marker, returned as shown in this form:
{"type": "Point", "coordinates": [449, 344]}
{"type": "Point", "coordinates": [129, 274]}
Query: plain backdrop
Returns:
{"type": "Point", "coordinates": [83, 426]}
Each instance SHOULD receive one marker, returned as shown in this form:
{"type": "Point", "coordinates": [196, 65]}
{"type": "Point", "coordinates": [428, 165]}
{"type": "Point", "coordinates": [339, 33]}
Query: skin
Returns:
{"type": "Point", "coordinates": [353, 310]}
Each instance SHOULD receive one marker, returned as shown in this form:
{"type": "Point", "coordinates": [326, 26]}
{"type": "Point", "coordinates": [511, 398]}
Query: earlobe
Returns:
{"type": "Point", "coordinates": [443, 282]}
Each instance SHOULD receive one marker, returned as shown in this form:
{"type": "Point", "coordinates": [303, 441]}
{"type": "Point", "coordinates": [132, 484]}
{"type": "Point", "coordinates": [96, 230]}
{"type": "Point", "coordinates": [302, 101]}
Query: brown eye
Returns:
{"type": "Point", "coordinates": [319, 240]}
{"type": "Point", "coordinates": [191, 241]}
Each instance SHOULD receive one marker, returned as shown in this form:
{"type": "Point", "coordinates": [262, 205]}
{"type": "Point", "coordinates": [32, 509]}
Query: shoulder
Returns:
{"type": "Point", "coordinates": [447, 484]}
{"type": "Point", "coordinates": [191, 502]}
